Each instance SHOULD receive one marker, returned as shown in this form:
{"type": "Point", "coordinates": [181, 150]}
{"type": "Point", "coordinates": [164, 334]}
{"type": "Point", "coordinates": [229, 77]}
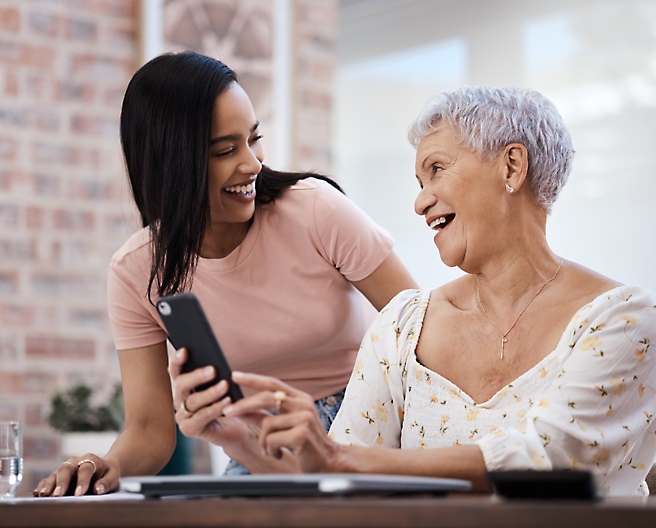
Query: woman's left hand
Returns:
{"type": "Point", "coordinates": [297, 429]}
{"type": "Point", "coordinates": [199, 414]}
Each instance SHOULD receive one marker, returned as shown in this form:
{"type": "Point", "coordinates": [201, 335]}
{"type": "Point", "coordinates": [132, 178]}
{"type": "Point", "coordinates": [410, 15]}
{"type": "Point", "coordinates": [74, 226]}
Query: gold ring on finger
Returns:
{"type": "Point", "coordinates": [184, 410]}
{"type": "Point", "coordinates": [89, 461]}
{"type": "Point", "coordinates": [67, 462]}
{"type": "Point", "coordinates": [279, 396]}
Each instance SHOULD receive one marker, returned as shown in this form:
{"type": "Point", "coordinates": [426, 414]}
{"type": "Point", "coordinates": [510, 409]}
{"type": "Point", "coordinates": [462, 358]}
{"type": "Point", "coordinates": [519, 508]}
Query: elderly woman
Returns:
{"type": "Point", "coordinates": [528, 361]}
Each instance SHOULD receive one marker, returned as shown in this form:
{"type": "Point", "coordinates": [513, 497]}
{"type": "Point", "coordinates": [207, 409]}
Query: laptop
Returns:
{"type": "Point", "coordinates": [290, 485]}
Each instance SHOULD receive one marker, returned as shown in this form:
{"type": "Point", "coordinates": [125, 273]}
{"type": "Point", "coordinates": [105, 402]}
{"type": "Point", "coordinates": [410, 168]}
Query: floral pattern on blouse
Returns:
{"type": "Point", "coordinates": [589, 404]}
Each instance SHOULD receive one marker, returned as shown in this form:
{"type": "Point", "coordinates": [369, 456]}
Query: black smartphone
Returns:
{"type": "Point", "coordinates": [187, 326]}
{"type": "Point", "coordinates": [556, 484]}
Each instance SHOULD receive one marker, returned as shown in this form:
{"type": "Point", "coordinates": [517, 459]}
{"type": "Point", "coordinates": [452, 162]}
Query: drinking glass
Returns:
{"type": "Point", "coordinates": [11, 458]}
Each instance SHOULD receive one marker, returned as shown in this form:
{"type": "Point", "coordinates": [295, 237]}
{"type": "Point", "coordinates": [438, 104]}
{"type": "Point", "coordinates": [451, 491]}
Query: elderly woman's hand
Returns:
{"type": "Point", "coordinates": [295, 431]}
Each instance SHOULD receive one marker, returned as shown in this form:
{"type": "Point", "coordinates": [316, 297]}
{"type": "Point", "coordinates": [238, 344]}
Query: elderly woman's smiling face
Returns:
{"type": "Point", "coordinates": [461, 197]}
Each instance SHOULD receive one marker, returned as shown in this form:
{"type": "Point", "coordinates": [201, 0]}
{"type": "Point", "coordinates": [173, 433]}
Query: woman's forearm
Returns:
{"type": "Point", "coordinates": [461, 462]}
{"type": "Point", "coordinates": [299, 433]}
{"type": "Point", "coordinates": [142, 451]}
{"type": "Point", "coordinates": [148, 439]}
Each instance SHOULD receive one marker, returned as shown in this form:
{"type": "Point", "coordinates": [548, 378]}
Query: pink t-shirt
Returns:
{"type": "Point", "coordinates": [280, 304]}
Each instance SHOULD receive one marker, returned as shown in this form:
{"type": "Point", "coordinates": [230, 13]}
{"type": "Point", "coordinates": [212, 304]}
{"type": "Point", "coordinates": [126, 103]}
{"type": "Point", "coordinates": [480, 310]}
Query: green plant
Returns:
{"type": "Point", "coordinates": [71, 411]}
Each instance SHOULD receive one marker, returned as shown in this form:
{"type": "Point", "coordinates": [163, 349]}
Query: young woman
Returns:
{"type": "Point", "coordinates": [276, 260]}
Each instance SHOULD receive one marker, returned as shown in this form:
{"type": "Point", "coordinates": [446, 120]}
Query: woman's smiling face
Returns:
{"type": "Point", "coordinates": [460, 197]}
{"type": "Point", "coordinates": [236, 156]}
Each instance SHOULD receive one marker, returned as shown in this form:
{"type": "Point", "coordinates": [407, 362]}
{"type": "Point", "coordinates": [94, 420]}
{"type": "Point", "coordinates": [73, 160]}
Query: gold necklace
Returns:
{"type": "Point", "coordinates": [504, 340]}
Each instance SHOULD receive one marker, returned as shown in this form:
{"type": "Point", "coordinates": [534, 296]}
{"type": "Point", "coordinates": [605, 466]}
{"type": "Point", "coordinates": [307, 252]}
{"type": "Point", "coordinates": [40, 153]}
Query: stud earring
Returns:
{"type": "Point", "coordinates": [509, 189]}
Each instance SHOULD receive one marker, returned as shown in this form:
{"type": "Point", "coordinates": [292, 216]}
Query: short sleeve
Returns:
{"type": "Point", "coordinates": [348, 238]}
{"type": "Point", "coordinates": [599, 412]}
{"type": "Point", "coordinates": [133, 319]}
{"type": "Point", "coordinates": [372, 411]}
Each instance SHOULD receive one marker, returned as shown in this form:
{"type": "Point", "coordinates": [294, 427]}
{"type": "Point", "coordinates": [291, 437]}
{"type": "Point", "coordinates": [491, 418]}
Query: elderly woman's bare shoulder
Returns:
{"type": "Point", "coordinates": [455, 294]}
{"type": "Point", "coordinates": [579, 284]}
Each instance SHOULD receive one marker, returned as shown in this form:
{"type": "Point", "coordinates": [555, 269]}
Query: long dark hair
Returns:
{"type": "Point", "coordinates": [166, 121]}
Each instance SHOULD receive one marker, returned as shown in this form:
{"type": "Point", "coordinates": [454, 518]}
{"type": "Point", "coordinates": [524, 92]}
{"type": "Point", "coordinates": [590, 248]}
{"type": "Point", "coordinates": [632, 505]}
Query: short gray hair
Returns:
{"type": "Point", "coordinates": [486, 120]}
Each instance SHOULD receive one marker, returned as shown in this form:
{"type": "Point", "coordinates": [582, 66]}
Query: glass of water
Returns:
{"type": "Point", "coordinates": [11, 458]}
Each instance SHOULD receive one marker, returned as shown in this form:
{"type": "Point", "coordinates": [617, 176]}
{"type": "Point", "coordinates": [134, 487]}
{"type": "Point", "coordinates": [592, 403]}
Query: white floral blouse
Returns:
{"type": "Point", "coordinates": [589, 404]}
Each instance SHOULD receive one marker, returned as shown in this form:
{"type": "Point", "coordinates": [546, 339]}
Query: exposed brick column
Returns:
{"type": "Point", "coordinates": [64, 203]}
{"type": "Point", "coordinates": [314, 53]}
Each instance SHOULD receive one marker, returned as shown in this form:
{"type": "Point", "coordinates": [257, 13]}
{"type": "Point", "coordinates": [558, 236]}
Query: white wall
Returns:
{"type": "Point", "coordinates": [595, 60]}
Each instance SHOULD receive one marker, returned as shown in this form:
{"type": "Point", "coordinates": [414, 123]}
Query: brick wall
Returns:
{"type": "Point", "coordinates": [64, 204]}
{"type": "Point", "coordinates": [314, 52]}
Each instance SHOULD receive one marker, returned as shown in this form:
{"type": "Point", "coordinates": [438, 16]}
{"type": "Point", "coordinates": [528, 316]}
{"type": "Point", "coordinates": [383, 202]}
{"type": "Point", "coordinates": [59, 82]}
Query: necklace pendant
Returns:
{"type": "Point", "coordinates": [503, 336]}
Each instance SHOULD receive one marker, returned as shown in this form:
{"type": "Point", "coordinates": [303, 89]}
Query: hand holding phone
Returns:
{"type": "Point", "coordinates": [188, 327]}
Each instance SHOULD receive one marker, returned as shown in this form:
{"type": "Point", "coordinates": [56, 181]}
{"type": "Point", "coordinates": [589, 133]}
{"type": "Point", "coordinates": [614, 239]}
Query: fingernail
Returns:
{"type": "Point", "coordinates": [228, 410]}
{"type": "Point", "coordinates": [100, 489]}
{"type": "Point", "coordinates": [78, 491]}
{"type": "Point", "coordinates": [208, 371]}
{"type": "Point", "coordinates": [55, 493]}
{"type": "Point", "coordinates": [236, 375]}
{"type": "Point", "coordinates": [178, 354]}
{"type": "Point", "coordinates": [42, 492]}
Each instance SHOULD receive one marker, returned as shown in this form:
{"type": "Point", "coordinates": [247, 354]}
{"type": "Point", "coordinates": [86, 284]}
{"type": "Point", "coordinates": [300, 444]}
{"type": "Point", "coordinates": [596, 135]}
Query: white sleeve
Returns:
{"type": "Point", "coordinates": [372, 410]}
{"type": "Point", "coordinates": [599, 412]}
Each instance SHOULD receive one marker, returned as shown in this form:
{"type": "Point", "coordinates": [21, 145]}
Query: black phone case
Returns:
{"type": "Point", "coordinates": [556, 484]}
{"type": "Point", "coordinates": [187, 326]}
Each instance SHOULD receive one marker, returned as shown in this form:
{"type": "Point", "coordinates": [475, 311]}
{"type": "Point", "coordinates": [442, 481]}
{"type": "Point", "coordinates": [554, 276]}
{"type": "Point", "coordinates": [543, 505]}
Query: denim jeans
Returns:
{"type": "Point", "coordinates": [327, 408]}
